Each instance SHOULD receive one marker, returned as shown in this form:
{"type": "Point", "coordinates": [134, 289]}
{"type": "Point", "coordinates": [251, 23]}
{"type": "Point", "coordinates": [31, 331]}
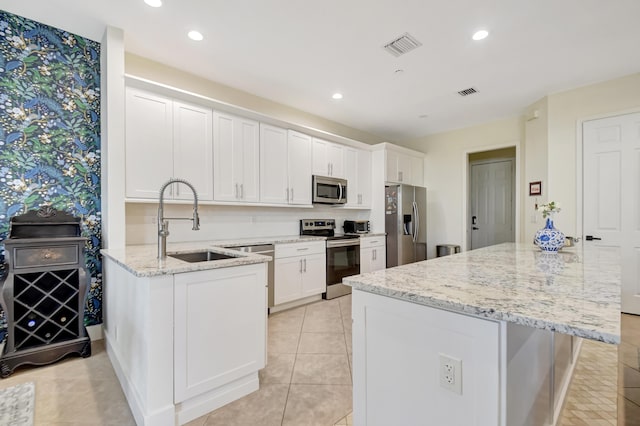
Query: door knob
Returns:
{"type": "Point", "coordinates": [592, 238]}
{"type": "Point", "coordinates": [475, 228]}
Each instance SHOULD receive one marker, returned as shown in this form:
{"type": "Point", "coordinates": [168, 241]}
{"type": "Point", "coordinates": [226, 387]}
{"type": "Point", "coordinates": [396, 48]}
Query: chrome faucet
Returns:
{"type": "Point", "coordinates": [163, 222]}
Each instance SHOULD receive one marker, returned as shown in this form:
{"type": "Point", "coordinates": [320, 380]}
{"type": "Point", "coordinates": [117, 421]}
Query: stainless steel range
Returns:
{"type": "Point", "coordinates": [343, 254]}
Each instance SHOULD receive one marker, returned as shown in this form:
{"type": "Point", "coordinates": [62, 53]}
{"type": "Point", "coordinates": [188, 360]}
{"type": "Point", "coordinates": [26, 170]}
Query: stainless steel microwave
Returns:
{"type": "Point", "coordinates": [328, 190]}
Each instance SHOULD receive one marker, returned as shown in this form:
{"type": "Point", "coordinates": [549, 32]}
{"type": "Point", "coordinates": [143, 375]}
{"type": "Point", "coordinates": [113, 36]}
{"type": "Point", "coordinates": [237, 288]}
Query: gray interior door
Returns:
{"type": "Point", "coordinates": [492, 203]}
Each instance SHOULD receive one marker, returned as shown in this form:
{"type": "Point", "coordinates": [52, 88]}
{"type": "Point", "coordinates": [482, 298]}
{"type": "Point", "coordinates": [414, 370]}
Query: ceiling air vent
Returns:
{"type": "Point", "coordinates": [401, 45]}
{"type": "Point", "coordinates": [466, 92]}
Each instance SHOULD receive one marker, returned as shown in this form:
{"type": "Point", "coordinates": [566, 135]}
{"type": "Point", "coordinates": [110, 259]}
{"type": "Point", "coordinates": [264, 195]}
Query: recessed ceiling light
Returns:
{"type": "Point", "coordinates": [337, 96]}
{"type": "Point", "coordinates": [480, 35]}
{"type": "Point", "coordinates": [195, 35]}
{"type": "Point", "coordinates": [153, 3]}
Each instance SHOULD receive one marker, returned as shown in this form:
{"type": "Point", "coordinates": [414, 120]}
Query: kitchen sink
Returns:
{"type": "Point", "coordinates": [201, 256]}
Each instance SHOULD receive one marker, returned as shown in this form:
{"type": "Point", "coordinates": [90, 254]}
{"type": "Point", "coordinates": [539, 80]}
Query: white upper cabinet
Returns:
{"type": "Point", "coordinates": [274, 177]}
{"type": "Point", "coordinates": [149, 143]}
{"type": "Point", "coordinates": [236, 154]}
{"type": "Point", "coordinates": [299, 167]}
{"type": "Point", "coordinates": [328, 159]}
{"type": "Point", "coordinates": [192, 154]}
{"type": "Point", "coordinates": [285, 166]}
{"type": "Point", "coordinates": [417, 171]}
{"type": "Point", "coordinates": [165, 139]}
{"type": "Point", "coordinates": [404, 168]}
{"type": "Point", "coordinates": [357, 166]}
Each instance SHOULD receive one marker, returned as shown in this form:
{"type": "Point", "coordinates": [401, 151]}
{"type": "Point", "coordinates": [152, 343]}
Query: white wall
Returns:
{"type": "Point", "coordinates": [550, 148]}
{"type": "Point", "coordinates": [228, 222]}
{"type": "Point", "coordinates": [154, 71]}
{"type": "Point", "coordinates": [535, 165]}
{"type": "Point", "coordinates": [445, 171]}
{"type": "Point", "coordinates": [566, 110]}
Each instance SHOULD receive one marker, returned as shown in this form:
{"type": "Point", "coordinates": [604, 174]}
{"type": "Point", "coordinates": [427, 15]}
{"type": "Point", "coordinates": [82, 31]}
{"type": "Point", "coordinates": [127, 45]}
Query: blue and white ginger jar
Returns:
{"type": "Point", "coordinates": [549, 238]}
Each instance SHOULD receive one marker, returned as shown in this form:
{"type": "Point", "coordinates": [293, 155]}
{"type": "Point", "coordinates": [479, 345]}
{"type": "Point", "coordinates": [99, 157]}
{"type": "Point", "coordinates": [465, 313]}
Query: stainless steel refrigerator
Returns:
{"type": "Point", "coordinates": [405, 224]}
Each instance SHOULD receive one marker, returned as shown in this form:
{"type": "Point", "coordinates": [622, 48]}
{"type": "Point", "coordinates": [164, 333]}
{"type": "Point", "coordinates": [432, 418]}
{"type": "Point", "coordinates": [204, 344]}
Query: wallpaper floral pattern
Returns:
{"type": "Point", "coordinates": [50, 132]}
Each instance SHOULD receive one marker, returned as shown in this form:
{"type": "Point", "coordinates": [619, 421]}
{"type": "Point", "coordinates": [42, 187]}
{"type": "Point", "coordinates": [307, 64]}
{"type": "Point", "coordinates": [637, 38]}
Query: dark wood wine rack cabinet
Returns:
{"type": "Point", "coordinates": [43, 295]}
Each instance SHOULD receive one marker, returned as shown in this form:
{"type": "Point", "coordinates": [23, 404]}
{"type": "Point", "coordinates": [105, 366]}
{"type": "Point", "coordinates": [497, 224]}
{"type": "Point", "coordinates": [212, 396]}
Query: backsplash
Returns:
{"type": "Point", "coordinates": [229, 222]}
{"type": "Point", "coordinates": [50, 132]}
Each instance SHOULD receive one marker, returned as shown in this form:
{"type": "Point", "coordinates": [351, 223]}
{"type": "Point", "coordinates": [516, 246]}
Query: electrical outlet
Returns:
{"type": "Point", "coordinates": [451, 373]}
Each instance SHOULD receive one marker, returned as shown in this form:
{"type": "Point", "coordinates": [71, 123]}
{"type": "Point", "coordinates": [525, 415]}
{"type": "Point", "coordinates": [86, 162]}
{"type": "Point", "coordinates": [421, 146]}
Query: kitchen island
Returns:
{"type": "Point", "coordinates": [485, 337]}
{"type": "Point", "coordinates": [185, 338]}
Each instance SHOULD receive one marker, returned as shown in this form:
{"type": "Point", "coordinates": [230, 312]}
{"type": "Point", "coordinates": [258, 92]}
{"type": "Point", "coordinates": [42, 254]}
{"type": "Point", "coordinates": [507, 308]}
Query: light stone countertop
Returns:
{"type": "Point", "coordinates": [575, 292]}
{"type": "Point", "coordinates": [141, 260]}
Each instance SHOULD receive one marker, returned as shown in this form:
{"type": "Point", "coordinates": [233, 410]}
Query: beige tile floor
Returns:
{"type": "Point", "coordinates": [595, 397]}
{"type": "Point", "coordinates": [307, 380]}
{"type": "Point", "coordinates": [296, 391]}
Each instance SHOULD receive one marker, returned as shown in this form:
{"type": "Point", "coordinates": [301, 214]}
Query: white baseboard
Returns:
{"type": "Point", "coordinates": [295, 303]}
{"type": "Point", "coordinates": [565, 386]}
{"type": "Point", "coordinates": [95, 332]}
{"type": "Point", "coordinates": [202, 404]}
{"type": "Point", "coordinates": [164, 417]}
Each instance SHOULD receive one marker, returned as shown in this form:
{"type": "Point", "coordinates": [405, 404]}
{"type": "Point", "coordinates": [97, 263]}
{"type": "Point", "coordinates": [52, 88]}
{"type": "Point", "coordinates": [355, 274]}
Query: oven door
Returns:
{"type": "Point", "coordinates": [343, 260]}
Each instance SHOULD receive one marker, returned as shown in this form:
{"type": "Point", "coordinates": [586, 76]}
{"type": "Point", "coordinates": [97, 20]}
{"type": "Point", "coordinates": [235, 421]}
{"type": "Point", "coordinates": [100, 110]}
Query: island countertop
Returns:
{"type": "Point", "coordinates": [575, 291]}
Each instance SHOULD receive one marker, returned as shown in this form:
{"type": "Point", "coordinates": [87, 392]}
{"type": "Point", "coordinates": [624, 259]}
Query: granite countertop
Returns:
{"type": "Point", "coordinates": [575, 292]}
{"type": "Point", "coordinates": [141, 260]}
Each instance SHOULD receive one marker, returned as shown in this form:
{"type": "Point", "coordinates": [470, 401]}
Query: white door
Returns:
{"type": "Point", "coordinates": [248, 131]}
{"type": "Point", "coordinates": [492, 207]}
{"type": "Point", "coordinates": [299, 166]}
{"type": "Point", "coordinates": [364, 178]}
{"type": "Point", "coordinates": [225, 158]}
{"type": "Point", "coordinates": [314, 275]}
{"type": "Point", "coordinates": [288, 279]}
{"type": "Point", "coordinates": [273, 165]}
{"type": "Point", "coordinates": [149, 143]}
{"type": "Point", "coordinates": [611, 185]}
{"type": "Point", "coordinates": [193, 150]}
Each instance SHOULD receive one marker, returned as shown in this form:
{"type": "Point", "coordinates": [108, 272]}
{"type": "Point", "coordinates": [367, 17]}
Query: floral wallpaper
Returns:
{"type": "Point", "coordinates": [50, 133]}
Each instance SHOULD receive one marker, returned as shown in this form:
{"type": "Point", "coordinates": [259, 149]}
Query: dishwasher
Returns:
{"type": "Point", "coordinates": [267, 250]}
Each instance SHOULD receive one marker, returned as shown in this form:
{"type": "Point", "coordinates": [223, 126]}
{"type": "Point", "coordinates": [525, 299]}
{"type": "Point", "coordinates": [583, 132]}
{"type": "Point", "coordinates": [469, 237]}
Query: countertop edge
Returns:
{"type": "Point", "coordinates": [485, 313]}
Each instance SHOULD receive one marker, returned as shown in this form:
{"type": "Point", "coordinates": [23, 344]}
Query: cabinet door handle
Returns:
{"type": "Point", "coordinates": [292, 194]}
{"type": "Point", "coordinates": [305, 265]}
{"type": "Point", "coordinates": [300, 265]}
{"type": "Point", "coordinates": [374, 254]}
{"type": "Point", "coordinates": [242, 191]}
{"type": "Point", "coordinates": [286, 194]}
{"type": "Point", "coordinates": [236, 191]}
{"type": "Point", "coordinates": [400, 176]}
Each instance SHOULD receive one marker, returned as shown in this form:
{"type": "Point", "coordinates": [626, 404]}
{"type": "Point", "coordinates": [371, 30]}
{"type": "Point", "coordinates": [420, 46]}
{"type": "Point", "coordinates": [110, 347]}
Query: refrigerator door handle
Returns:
{"type": "Point", "coordinates": [416, 218]}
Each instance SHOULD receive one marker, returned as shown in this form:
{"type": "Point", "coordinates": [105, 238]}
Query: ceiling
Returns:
{"type": "Point", "coordinates": [299, 53]}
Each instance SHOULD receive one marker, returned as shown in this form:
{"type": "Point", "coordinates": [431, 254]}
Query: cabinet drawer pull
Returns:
{"type": "Point", "coordinates": [303, 249]}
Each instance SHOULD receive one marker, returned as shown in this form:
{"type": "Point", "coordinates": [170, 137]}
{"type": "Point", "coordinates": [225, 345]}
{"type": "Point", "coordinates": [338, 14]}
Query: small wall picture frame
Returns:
{"type": "Point", "coordinates": [535, 188]}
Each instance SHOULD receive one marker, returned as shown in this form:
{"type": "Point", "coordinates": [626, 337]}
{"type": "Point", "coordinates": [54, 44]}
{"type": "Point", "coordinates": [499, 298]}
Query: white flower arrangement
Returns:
{"type": "Point", "coordinates": [549, 208]}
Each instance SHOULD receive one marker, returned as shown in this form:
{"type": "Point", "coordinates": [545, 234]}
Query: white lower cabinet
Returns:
{"type": "Point", "coordinates": [372, 254]}
{"type": "Point", "coordinates": [300, 271]}
{"type": "Point", "coordinates": [219, 331]}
